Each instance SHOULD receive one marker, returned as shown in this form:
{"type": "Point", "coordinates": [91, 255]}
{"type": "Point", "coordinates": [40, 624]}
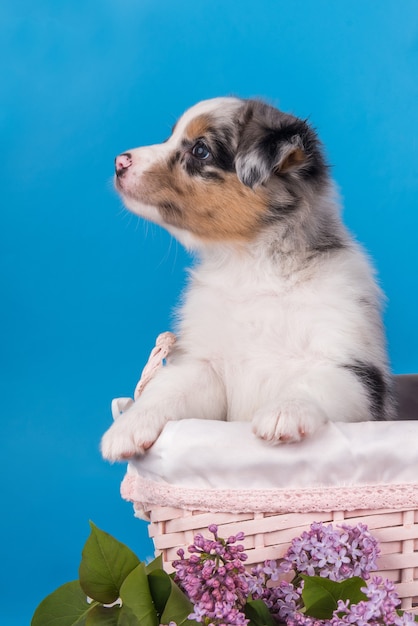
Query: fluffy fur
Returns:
{"type": "Point", "coordinates": [281, 321]}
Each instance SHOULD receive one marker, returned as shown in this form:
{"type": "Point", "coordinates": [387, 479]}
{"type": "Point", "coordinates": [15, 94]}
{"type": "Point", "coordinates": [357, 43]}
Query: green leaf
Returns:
{"type": "Point", "coordinates": [350, 589]}
{"type": "Point", "coordinates": [178, 608]}
{"type": "Point", "coordinates": [135, 594]}
{"type": "Point", "coordinates": [104, 616]}
{"type": "Point", "coordinates": [160, 588]}
{"type": "Point", "coordinates": [156, 564]}
{"type": "Point", "coordinates": [105, 564]}
{"type": "Point", "coordinates": [258, 614]}
{"type": "Point", "coordinates": [127, 618]}
{"type": "Point", "coordinates": [66, 606]}
{"type": "Point", "coordinates": [113, 616]}
{"type": "Point", "coordinates": [320, 595]}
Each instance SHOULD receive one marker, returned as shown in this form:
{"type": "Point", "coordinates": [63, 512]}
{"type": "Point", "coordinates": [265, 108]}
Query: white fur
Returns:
{"type": "Point", "coordinates": [262, 341]}
{"type": "Point", "coordinates": [261, 347]}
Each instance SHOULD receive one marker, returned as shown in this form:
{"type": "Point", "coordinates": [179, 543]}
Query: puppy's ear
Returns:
{"type": "Point", "coordinates": [271, 143]}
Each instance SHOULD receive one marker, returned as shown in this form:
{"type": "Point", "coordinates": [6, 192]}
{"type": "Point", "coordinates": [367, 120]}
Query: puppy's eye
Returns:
{"type": "Point", "coordinates": [201, 151]}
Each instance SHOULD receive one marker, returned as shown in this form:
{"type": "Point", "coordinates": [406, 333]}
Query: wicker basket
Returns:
{"type": "Point", "coordinates": [194, 476]}
{"type": "Point", "coordinates": [267, 536]}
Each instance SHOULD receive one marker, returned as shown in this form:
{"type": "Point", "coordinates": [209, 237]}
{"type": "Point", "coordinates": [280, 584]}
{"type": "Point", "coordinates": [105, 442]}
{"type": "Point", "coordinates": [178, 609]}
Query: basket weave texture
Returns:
{"type": "Point", "coordinates": [268, 535]}
{"type": "Point", "coordinates": [202, 472]}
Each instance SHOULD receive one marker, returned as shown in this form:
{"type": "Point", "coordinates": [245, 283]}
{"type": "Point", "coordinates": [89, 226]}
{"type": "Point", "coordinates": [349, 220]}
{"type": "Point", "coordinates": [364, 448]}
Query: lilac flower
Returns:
{"type": "Point", "coordinates": [282, 599]}
{"type": "Point", "coordinates": [335, 554]}
{"type": "Point", "coordinates": [214, 579]}
{"type": "Point", "coordinates": [382, 602]}
{"type": "Point", "coordinates": [272, 570]}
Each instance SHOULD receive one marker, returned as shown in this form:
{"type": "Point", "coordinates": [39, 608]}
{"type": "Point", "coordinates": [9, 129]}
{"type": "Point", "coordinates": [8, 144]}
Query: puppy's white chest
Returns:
{"type": "Point", "coordinates": [235, 320]}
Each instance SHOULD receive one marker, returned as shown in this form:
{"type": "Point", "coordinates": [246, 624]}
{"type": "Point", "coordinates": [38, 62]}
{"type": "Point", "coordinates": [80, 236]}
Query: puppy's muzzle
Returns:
{"type": "Point", "coordinates": [122, 163]}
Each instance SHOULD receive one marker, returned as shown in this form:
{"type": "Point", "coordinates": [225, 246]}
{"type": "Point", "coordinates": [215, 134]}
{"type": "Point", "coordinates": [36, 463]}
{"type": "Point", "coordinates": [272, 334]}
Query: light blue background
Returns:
{"type": "Point", "coordinates": [86, 287]}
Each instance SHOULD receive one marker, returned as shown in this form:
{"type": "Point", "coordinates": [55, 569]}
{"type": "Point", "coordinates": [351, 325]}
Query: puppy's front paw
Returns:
{"type": "Point", "coordinates": [290, 422]}
{"type": "Point", "coordinates": [132, 433]}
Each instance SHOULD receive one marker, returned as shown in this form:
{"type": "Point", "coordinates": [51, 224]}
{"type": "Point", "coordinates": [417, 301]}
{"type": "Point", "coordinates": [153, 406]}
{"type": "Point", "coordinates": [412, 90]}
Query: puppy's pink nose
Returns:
{"type": "Point", "coordinates": [122, 163]}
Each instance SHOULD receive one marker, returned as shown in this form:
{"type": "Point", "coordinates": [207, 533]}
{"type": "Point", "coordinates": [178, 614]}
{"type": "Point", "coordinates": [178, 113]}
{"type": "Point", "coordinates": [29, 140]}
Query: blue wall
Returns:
{"type": "Point", "coordinates": [86, 287]}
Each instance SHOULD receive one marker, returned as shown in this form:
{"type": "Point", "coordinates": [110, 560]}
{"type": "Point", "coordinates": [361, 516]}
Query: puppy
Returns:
{"type": "Point", "coordinates": [281, 321]}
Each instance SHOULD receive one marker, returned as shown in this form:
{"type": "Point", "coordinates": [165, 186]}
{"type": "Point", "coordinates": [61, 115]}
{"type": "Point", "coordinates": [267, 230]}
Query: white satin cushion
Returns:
{"type": "Point", "coordinates": [222, 466]}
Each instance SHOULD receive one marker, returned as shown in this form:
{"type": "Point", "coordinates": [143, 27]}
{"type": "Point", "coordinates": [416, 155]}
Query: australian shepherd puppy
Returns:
{"type": "Point", "coordinates": [281, 321]}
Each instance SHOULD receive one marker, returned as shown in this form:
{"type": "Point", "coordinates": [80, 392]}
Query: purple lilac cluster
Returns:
{"type": "Point", "coordinates": [214, 579]}
{"type": "Point", "coordinates": [335, 554]}
{"type": "Point", "coordinates": [321, 551]}
{"type": "Point", "coordinates": [282, 598]}
{"type": "Point", "coordinates": [379, 608]}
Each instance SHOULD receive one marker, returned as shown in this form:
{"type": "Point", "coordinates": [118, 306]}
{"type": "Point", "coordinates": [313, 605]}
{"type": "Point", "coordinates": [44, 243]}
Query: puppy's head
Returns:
{"type": "Point", "coordinates": [230, 168]}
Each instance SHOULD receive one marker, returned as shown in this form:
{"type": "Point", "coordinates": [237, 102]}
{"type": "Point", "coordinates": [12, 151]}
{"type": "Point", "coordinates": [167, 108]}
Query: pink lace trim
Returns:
{"type": "Point", "coordinates": [146, 493]}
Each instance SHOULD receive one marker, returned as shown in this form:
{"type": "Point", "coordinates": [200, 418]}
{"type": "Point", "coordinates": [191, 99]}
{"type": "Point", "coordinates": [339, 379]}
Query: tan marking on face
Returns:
{"type": "Point", "coordinates": [198, 126]}
{"type": "Point", "coordinates": [211, 210]}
